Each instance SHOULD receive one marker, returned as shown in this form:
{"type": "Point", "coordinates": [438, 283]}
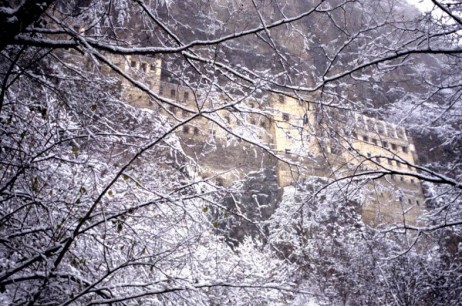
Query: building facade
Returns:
{"type": "Point", "coordinates": [298, 137]}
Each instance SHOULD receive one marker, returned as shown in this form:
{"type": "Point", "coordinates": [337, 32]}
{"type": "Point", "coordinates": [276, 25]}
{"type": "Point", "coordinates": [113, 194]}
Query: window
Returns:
{"type": "Point", "coordinates": [281, 99]}
{"type": "Point", "coordinates": [369, 154]}
{"type": "Point", "coordinates": [252, 121]}
{"type": "Point", "coordinates": [161, 90]}
{"type": "Point", "coordinates": [410, 201]}
{"type": "Point", "coordinates": [144, 67]}
{"type": "Point", "coordinates": [417, 202]}
{"type": "Point", "coordinates": [377, 159]}
{"type": "Point", "coordinates": [365, 138]}
{"type": "Point", "coordinates": [172, 93]}
{"type": "Point", "coordinates": [288, 151]}
{"type": "Point", "coordinates": [398, 164]}
{"type": "Point", "coordinates": [401, 179]}
{"type": "Point", "coordinates": [404, 149]}
{"type": "Point", "coordinates": [228, 119]}
{"type": "Point", "coordinates": [394, 146]}
{"type": "Point", "coordinates": [186, 96]}
{"type": "Point", "coordinates": [412, 181]}
{"type": "Point", "coordinates": [196, 131]}
{"type": "Point", "coordinates": [285, 117]}
{"type": "Point", "coordinates": [305, 119]}
{"type": "Point", "coordinates": [354, 135]}
{"type": "Point", "coordinates": [185, 129]}
{"type": "Point", "coordinates": [153, 67]}
{"type": "Point", "coordinates": [263, 124]}
{"type": "Point", "coordinates": [401, 199]}
{"type": "Point", "coordinates": [172, 109]}
{"type": "Point", "coordinates": [133, 64]}
{"type": "Point", "coordinates": [389, 162]}
{"type": "Point", "coordinates": [374, 141]}
{"type": "Point", "coordinates": [385, 144]}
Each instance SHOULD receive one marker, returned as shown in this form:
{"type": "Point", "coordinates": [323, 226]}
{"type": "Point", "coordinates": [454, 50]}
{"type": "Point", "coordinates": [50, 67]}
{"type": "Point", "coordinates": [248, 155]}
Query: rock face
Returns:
{"type": "Point", "coordinates": [258, 199]}
{"type": "Point", "coordinates": [307, 58]}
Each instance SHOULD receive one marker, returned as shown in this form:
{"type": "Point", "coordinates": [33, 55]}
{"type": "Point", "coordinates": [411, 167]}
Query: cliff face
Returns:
{"type": "Point", "coordinates": [300, 54]}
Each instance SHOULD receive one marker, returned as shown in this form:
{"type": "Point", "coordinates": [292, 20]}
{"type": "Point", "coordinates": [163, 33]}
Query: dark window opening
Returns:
{"type": "Point", "coordinates": [186, 96]}
{"type": "Point", "coordinates": [404, 149]}
{"type": "Point", "coordinates": [385, 144]}
{"type": "Point", "coordinates": [394, 146]}
{"type": "Point", "coordinates": [186, 129]}
{"type": "Point", "coordinates": [144, 67]}
{"type": "Point", "coordinates": [281, 99]}
{"type": "Point", "coordinates": [288, 151]}
{"type": "Point", "coordinates": [172, 93]}
{"type": "Point", "coordinates": [365, 138]}
{"type": "Point", "coordinates": [285, 117]}
{"type": "Point", "coordinates": [374, 141]}
{"type": "Point", "coordinates": [335, 148]}
{"type": "Point", "coordinates": [196, 131]}
{"type": "Point", "coordinates": [133, 64]}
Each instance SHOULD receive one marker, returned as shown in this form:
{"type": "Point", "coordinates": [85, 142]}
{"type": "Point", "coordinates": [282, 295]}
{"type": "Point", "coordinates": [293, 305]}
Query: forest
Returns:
{"type": "Point", "coordinates": [179, 152]}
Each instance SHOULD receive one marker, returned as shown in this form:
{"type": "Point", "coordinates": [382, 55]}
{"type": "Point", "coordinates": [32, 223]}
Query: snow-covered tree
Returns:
{"type": "Point", "coordinates": [103, 203]}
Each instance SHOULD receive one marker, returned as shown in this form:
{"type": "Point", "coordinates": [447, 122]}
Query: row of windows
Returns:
{"type": "Point", "coordinates": [385, 144]}
{"type": "Point", "coordinates": [187, 130]}
{"type": "Point", "coordinates": [380, 128]}
{"type": "Point", "coordinates": [401, 178]}
{"type": "Point", "coordinates": [286, 117]}
{"type": "Point", "coordinates": [173, 93]}
{"type": "Point", "coordinates": [282, 100]}
{"type": "Point", "coordinates": [143, 66]}
{"type": "Point", "coordinates": [403, 199]}
{"type": "Point", "coordinates": [390, 162]}
{"type": "Point", "coordinates": [409, 200]}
